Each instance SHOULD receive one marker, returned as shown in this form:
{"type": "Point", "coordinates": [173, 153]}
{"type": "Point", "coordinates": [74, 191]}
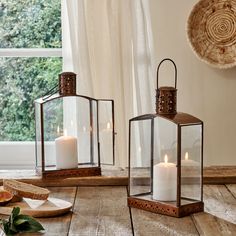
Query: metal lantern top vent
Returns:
{"type": "Point", "coordinates": [166, 97]}
{"type": "Point", "coordinates": [67, 83]}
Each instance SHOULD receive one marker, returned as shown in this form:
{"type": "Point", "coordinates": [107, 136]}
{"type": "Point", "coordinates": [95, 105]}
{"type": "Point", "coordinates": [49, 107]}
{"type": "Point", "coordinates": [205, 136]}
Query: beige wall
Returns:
{"type": "Point", "coordinates": [205, 92]}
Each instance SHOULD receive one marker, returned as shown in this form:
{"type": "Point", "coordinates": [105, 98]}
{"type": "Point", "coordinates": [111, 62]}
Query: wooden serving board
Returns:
{"type": "Point", "coordinates": [39, 208]}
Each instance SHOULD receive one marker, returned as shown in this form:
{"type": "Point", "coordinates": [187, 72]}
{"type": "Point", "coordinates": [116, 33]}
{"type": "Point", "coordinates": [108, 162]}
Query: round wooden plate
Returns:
{"type": "Point", "coordinates": [39, 208]}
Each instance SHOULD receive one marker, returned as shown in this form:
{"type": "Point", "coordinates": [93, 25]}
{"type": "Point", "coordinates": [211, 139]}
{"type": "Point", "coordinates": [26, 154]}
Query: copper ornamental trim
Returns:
{"type": "Point", "coordinates": [166, 97]}
{"type": "Point", "coordinates": [165, 209]}
{"type": "Point", "coordinates": [79, 172]}
{"type": "Point", "coordinates": [67, 83]}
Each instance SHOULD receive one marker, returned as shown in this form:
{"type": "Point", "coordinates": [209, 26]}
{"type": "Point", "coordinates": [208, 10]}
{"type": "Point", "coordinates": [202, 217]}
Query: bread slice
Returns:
{"type": "Point", "coordinates": [25, 190]}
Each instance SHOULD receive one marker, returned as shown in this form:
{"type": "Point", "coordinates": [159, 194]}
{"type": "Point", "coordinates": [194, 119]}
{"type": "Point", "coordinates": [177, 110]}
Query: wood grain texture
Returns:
{"type": "Point", "coordinates": [110, 177]}
{"type": "Point", "coordinates": [220, 202]}
{"type": "Point", "coordinates": [113, 176]}
{"type": "Point", "coordinates": [219, 175]}
{"type": "Point", "coordinates": [39, 208]}
{"type": "Point", "coordinates": [208, 224]}
{"type": "Point", "coordinates": [232, 189]}
{"type": "Point", "coordinates": [101, 211]}
{"type": "Point", "coordinates": [57, 225]}
{"type": "Point", "coordinates": [151, 224]}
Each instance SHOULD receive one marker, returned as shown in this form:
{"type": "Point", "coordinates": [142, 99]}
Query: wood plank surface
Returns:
{"type": "Point", "coordinates": [219, 217]}
{"type": "Point", "coordinates": [220, 202]}
{"type": "Point", "coordinates": [57, 225]}
{"type": "Point", "coordinates": [110, 177]}
{"type": "Point", "coordinates": [113, 176]}
{"type": "Point", "coordinates": [219, 175]}
{"type": "Point", "coordinates": [208, 224]}
{"type": "Point", "coordinates": [101, 211]}
{"type": "Point", "coordinates": [232, 189]}
{"type": "Point", "coordinates": [151, 224]}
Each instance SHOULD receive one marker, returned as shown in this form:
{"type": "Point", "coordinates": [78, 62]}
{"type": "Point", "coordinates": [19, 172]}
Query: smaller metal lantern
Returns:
{"type": "Point", "coordinates": [166, 158]}
{"type": "Point", "coordinates": [74, 133]}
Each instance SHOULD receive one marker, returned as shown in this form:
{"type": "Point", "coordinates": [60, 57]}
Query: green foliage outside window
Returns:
{"type": "Point", "coordinates": [26, 24]}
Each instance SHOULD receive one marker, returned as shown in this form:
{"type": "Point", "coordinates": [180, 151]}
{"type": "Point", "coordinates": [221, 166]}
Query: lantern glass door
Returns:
{"type": "Point", "coordinates": [164, 161]}
{"type": "Point", "coordinates": [52, 129]}
{"type": "Point", "coordinates": [75, 117]}
{"type": "Point", "coordinates": [38, 134]}
{"type": "Point", "coordinates": [85, 129]}
{"type": "Point", "coordinates": [191, 158]}
{"type": "Point", "coordinates": [140, 157]}
{"type": "Point", "coordinates": [106, 131]}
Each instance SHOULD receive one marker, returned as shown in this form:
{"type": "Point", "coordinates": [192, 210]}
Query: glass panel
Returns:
{"type": "Point", "coordinates": [30, 24]}
{"type": "Point", "coordinates": [53, 129]}
{"type": "Point", "coordinates": [95, 131]}
{"type": "Point", "coordinates": [22, 81]}
{"type": "Point", "coordinates": [38, 139]}
{"type": "Point", "coordinates": [83, 130]}
{"type": "Point", "coordinates": [106, 132]}
{"type": "Point", "coordinates": [140, 157]}
{"type": "Point", "coordinates": [70, 132]}
{"type": "Point", "coordinates": [191, 147]}
{"type": "Point", "coordinates": [165, 159]}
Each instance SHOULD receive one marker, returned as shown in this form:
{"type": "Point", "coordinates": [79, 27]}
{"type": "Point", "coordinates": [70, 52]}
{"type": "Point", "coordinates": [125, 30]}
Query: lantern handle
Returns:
{"type": "Point", "coordinates": [158, 68]}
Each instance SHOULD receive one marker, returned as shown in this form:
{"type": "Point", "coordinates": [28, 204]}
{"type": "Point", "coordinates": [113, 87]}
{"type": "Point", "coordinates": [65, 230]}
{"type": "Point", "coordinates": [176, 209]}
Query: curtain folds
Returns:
{"type": "Point", "coordinates": [108, 44]}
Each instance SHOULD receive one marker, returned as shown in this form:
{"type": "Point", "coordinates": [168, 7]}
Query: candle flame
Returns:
{"type": "Point", "coordinates": [108, 125]}
{"type": "Point", "coordinates": [65, 132]}
{"type": "Point", "coordinates": [84, 128]}
{"type": "Point", "coordinates": [186, 156]}
{"type": "Point", "coordinates": [58, 129]}
{"type": "Point", "coordinates": [166, 159]}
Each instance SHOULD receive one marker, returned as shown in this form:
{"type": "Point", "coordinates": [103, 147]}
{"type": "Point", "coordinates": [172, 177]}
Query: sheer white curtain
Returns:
{"type": "Point", "coordinates": [108, 44]}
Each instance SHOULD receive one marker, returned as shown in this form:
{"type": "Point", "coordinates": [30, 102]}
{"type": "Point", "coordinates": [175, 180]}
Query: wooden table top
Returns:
{"type": "Point", "coordinates": [103, 211]}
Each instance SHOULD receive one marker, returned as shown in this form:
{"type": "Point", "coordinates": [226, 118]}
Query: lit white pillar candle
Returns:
{"type": "Point", "coordinates": [187, 161]}
{"type": "Point", "coordinates": [165, 181]}
{"type": "Point", "coordinates": [66, 152]}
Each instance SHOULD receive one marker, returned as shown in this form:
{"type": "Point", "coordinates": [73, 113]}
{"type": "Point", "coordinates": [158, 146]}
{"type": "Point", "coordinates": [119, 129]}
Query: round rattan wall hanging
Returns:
{"type": "Point", "coordinates": [211, 30]}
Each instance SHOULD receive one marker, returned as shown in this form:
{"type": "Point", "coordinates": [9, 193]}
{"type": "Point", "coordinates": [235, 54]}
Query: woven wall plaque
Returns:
{"type": "Point", "coordinates": [211, 30]}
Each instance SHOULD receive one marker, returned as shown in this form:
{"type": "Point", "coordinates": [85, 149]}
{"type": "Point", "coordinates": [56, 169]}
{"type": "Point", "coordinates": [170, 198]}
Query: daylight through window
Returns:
{"type": "Point", "coordinates": [30, 61]}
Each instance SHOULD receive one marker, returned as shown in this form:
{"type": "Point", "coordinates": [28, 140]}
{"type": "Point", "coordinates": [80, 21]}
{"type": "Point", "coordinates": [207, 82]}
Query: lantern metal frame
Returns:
{"type": "Point", "coordinates": [80, 171]}
{"type": "Point", "coordinates": [144, 200]}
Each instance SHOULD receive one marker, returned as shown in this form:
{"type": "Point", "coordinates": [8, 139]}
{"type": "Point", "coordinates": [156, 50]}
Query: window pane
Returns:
{"type": "Point", "coordinates": [30, 24]}
{"type": "Point", "coordinates": [22, 80]}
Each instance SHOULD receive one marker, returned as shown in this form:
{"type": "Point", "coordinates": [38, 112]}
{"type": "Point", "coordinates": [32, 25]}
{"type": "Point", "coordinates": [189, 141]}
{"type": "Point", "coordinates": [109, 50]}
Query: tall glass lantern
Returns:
{"type": "Point", "coordinates": [74, 133]}
{"type": "Point", "coordinates": [166, 158]}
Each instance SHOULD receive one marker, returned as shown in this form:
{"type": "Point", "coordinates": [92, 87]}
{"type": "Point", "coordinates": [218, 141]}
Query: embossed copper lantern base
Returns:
{"type": "Point", "coordinates": [67, 173]}
{"type": "Point", "coordinates": [165, 208]}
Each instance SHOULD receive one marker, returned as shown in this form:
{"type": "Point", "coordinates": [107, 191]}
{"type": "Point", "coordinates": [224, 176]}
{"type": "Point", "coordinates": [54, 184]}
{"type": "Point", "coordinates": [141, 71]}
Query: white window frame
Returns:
{"type": "Point", "coordinates": [21, 155]}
